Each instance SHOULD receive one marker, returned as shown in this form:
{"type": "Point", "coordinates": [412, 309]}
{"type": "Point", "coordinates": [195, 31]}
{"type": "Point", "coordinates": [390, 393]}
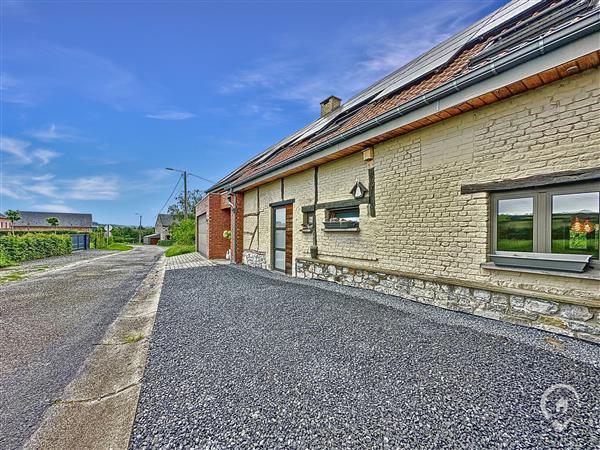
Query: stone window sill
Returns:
{"type": "Point", "coordinates": [341, 230]}
{"type": "Point", "coordinates": [592, 274]}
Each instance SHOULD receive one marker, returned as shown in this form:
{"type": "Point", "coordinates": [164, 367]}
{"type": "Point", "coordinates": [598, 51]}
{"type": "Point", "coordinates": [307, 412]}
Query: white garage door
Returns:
{"type": "Point", "coordinates": [201, 234]}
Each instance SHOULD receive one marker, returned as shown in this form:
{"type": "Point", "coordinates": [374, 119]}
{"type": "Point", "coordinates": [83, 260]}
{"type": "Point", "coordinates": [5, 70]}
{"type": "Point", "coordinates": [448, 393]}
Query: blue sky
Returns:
{"type": "Point", "coordinates": [98, 97]}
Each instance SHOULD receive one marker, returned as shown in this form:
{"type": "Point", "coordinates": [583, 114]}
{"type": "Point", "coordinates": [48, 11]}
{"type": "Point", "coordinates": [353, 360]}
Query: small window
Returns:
{"type": "Point", "coordinates": [557, 220]}
{"type": "Point", "coordinates": [308, 220]}
{"type": "Point", "coordinates": [344, 215]}
{"type": "Point", "coordinates": [343, 218]}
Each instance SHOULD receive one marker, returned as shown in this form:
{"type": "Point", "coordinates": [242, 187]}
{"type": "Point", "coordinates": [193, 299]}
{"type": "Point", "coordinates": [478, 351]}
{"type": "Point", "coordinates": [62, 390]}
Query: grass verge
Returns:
{"type": "Point", "coordinates": [133, 338]}
{"type": "Point", "coordinates": [118, 246]}
{"type": "Point", "coordinates": [15, 276]}
{"type": "Point", "coordinates": [179, 250]}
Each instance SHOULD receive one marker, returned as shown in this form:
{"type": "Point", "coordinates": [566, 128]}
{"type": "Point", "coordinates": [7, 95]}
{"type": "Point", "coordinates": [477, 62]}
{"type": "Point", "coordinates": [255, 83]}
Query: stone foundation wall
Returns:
{"type": "Point", "coordinates": [550, 315]}
{"type": "Point", "coordinates": [254, 259]}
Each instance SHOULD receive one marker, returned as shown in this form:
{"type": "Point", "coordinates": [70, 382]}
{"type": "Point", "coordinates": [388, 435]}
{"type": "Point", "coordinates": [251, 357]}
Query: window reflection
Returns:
{"type": "Point", "coordinates": [575, 223]}
{"type": "Point", "coordinates": [515, 225]}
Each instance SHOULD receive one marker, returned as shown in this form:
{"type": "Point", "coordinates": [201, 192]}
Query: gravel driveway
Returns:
{"type": "Point", "coordinates": [244, 359]}
{"type": "Point", "coordinates": [48, 326]}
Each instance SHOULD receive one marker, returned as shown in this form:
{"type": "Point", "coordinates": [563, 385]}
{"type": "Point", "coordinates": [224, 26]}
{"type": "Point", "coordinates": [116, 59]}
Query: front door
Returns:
{"type": "Point", "coordinates": [282, 238]}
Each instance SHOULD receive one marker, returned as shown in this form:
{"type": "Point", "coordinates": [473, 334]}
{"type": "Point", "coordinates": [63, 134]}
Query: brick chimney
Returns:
{"type": "Point", "coordinates": [331, 103]}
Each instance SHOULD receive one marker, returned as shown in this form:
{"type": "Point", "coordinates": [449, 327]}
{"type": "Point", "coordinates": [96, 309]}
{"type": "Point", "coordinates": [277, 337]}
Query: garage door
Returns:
{"type": "Point", "coordinates": [201, 232]}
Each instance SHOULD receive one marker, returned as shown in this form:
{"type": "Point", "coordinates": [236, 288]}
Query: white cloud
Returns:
{"type": "Point", "coordinates": [171, 115]}
{"type": "Point", "coordinates": [54, 133]}
{"type": "Point", "coordinates": [22, 153]}
{"type": "Point", "coordinates": [44, 155]}
{"type": "Point", "coordinates": [12, 91]}
{"type": "Point", "coordinates": [15, 147]}
{"type": "Point", "coordinates": [97, 187]}
{"type": "Point", "coordinates": [53, 207]}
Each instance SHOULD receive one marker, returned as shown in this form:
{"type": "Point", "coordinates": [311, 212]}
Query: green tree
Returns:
{"type": "Point", "coordinates": [184, 232]}
{"type": "Point", "coordinates": [13, 216]}
{"type": "Point", "coordinates": [53, 222]}
{"type": "Point", "coordinates": [177, 209]}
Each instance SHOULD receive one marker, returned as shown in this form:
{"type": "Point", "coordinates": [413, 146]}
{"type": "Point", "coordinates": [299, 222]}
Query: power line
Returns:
{"type": "Point", "coordinates": [202, 178]}
{"type": "Point", "coordinates": [172, 192]}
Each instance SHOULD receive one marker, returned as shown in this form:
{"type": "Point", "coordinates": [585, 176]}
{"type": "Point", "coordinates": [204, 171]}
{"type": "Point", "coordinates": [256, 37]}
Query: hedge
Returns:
{"type": "Point", "coordinates": [34, 246]}
{"type": "Point", "coordinates": [165, 242]}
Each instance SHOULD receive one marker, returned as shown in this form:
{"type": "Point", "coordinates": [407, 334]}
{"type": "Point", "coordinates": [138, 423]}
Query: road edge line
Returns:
{"type": "Point", "coordinates": [98, 407]}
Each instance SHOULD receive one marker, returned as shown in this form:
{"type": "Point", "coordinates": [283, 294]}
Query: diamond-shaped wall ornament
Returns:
{"type": "Point", "coordinates": [359, 190]}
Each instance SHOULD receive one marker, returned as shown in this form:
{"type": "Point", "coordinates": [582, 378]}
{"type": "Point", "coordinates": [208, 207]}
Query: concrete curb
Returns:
{"type": "Point", "coordinates": [97, 409]}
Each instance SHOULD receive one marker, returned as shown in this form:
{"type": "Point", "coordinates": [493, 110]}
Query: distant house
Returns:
{"type": "Point", "coordinates": [4, 222]}
{"type": "Point", "coordinates": [163, 225]}
{"type": "Point", "coordinates": [37, 221]}
{"type": "Point", "coordinates": [152, 239]}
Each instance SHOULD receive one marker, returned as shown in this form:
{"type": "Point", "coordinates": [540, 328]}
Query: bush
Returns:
{"type": "Point", "coordinates": [34, 246]}
{"type": "Point", "coordinates": [5, 262]}
{"type": "Point", "coordinates": [180, 250]}
{"type": "Point", "coordinates": [166, 242]}
{"type": "Point", "coordinates": [184, 232]}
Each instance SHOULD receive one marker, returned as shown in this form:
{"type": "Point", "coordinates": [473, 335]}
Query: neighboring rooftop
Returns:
{"type": "Point", "coordinates": [38, 219]}
{"type": "Point", "coordinates": [166, 220]}
{"type": "Point", "coordinates": [503, 32]}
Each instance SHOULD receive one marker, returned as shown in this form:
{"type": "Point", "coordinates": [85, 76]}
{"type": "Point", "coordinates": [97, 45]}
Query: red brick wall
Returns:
{"type": "Point", "coordinates": [219, 220]}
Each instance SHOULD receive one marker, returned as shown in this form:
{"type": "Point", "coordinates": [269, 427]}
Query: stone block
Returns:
{"type": "Point", "coordinates": [575, 312]}
{"type": "Point", "coordinates": [540, 306]}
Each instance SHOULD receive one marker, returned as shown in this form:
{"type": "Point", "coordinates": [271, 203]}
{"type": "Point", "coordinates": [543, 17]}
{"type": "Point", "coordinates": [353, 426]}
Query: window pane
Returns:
{"type": "Point", "coordinates": [309, 219]}
{"type": "Point", "coordinates": [575, 223]}
{"type": "Point", "coordinates": [515, 225]}
{"type": "Point", "coordinates": [280, 238]}
{"type": "Point", "coordinates": [280, 259]}
{"type": "Point", "coordinates": [346, 214]}
{"type": "Point", "coordinates": [280, 217]}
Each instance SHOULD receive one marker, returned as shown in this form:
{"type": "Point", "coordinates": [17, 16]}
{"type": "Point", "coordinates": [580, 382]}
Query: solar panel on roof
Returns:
{"type": "Point", "coordinates": [444, 52]}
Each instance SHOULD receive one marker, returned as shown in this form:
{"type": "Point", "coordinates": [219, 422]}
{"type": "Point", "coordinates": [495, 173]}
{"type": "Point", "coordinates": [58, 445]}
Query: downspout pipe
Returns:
{"type": "Point", "coordinates": [544, 44]}
{"type": "Point", "coordinates": [233, 207]}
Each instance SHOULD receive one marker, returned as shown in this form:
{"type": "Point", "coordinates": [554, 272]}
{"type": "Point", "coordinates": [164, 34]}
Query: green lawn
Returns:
{"type": "Point", "coordinates": [118, 246]}
{"type": "Point", "coordinates": [180, 250]}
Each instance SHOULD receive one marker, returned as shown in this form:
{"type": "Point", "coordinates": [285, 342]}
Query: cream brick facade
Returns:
{"type": "Point", "coordinates": [423, 224]}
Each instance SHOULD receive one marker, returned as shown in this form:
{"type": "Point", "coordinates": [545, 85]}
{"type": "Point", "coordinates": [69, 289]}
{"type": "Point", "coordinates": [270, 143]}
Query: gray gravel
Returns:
{"type": "Point", "coordinates": [49, 325]}
{"type": "Point", "coordinates": [244, 359]}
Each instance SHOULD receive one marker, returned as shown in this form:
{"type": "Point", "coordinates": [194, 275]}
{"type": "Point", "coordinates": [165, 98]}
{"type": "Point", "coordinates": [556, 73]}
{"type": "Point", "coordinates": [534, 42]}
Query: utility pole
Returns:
{"type": "Point", "coordinates": [139, 228]}
{"type": "Point", "coordinates": [185, 191]}
{"type": "Point", "coordinates": [185, 200]}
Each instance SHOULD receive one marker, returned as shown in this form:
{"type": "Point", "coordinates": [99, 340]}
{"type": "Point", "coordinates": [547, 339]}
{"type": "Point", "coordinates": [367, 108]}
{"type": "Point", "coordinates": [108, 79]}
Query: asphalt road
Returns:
{"type": "Point", "coordinates": [241, 359]}
{"type": "Point", "coordinates": [50, 324]}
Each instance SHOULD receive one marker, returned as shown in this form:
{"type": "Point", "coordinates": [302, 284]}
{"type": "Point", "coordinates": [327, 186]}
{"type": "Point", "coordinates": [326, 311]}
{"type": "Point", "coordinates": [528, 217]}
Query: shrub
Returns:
{"type": "Point", "coordinates": [179, 250]}
{"type": "Point", "coordinates": [5, 262]}
{"type": "Point", "coordinates": [184, 232]}
{"type": "Point", "coordinates": [34, 246]}
{"type": "Point", "coordinates": [166, 242]}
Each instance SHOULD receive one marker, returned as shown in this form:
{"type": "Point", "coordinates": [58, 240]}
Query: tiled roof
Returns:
{"type": "Point", "coordinates": [166, 220]}
{"type": "Point", "coordinates": [38, 219]}
{"type": "Point", "coordinates": [487, 40]}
